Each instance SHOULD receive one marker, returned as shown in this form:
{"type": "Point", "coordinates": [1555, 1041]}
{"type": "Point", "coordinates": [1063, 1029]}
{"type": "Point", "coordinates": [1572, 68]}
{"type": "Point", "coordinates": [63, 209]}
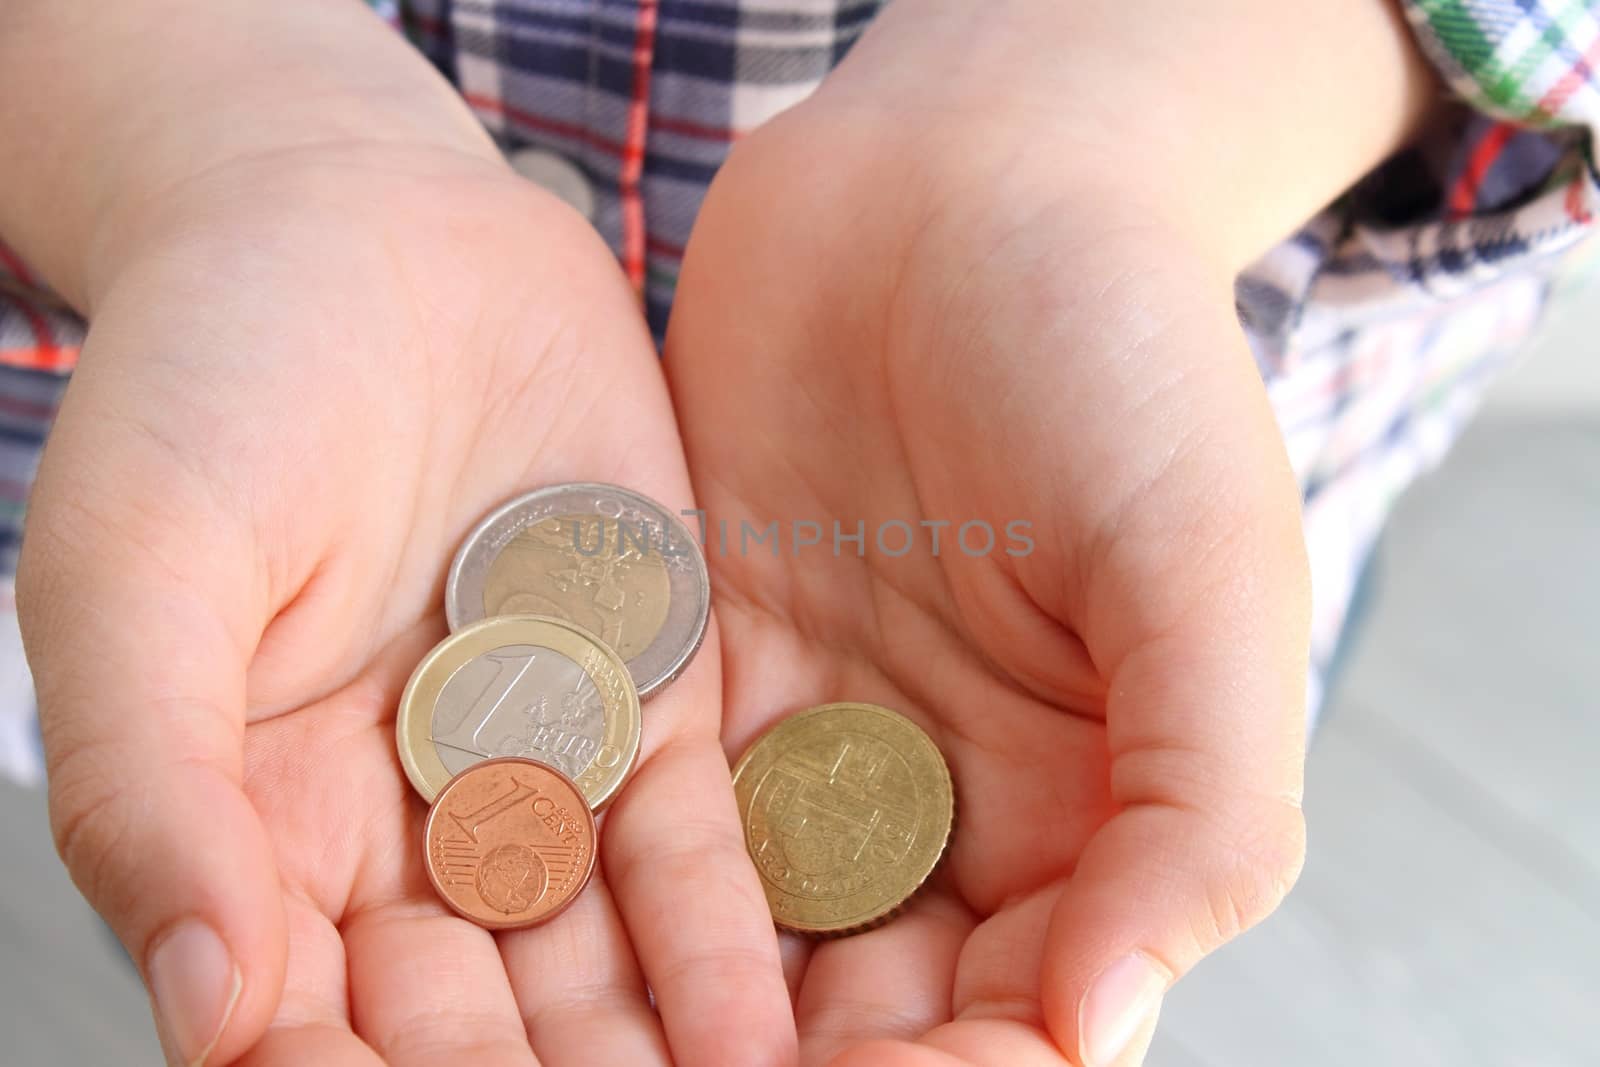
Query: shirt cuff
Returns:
{"type": "Point", "coordinates": [37, 331]}
{"type": "Point", "coordinates": [1531, 62]}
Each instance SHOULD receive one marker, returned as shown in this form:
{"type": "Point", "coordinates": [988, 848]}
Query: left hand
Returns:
{"type": "Point", "coordinates": [890, 312]}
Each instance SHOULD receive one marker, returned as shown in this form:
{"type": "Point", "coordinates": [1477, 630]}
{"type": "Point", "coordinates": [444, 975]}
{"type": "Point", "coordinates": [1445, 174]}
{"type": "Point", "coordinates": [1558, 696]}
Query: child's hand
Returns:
{"type": "Point", "coordinates": [308, 374]}
{"type": "Point", "coordinates": [951, 288]}
{"type": "Point", "coordinates": [1122, 708]}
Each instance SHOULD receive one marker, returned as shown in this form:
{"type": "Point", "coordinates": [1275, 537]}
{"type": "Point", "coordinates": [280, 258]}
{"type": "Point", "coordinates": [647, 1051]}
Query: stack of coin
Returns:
{"type": "Point", "coordinates": [566, 606]}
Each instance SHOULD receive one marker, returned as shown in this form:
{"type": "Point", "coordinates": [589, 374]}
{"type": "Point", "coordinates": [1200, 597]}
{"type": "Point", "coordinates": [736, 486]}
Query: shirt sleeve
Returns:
{"type": "Point", "coordinates": [39, 341]}
{"type": "Point", "coordinates": [1531, 62]}
{"type": "Point", "coordinates": [1501, 184]}
{"type": "Point", "coordinates": [1380, 324]}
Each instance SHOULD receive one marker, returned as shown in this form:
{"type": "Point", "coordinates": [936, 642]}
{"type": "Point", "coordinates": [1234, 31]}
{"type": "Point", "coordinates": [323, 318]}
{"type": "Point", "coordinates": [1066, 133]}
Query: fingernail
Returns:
{"type": "Point", "coordinates": [1117, 1003]}
{"type": "Point", "coordinates": [195, 984]}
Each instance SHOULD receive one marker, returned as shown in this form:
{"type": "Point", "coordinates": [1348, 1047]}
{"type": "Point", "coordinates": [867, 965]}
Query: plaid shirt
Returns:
{"type": "Point", "coordinates": [1376, 327]}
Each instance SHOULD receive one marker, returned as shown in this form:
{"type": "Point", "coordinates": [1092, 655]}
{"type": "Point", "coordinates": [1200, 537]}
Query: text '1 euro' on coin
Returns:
{"type": "Point", "coordinates": [520, 685]}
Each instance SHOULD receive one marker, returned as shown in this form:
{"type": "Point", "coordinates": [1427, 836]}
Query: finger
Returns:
{"type": "Point", "coordinates": [1200, 615]}
{"type": "Point", "coordinates": [982, 1043]}
{"type": "Point", "coordinates": [795, 952]}
{"type": "Point", "coordinates": [1139, 1046]}
{"type": "Point", "coordinates": [312, 1024]}
{"type": "Point", "coordinates": [887, 1053]}
{"type": "Point", "coordinates": [325, 1046]}
{"type": "Point", "coordinates": [137, 624]}
{"type": "Point", "coordinates": [995, 997]}
{"type": "Point", "coordinates": [893, 982]}
{"type": "Point", "coordinates": [675, 860]}
{"type": "Point", "coordinates": [583, 997]}
{"type": "Point", "coordinates": [998, 975]}
{"type": "Point", "coordinates": [428, 987]}
{"type": "Point", "coordinates": [998, 981]}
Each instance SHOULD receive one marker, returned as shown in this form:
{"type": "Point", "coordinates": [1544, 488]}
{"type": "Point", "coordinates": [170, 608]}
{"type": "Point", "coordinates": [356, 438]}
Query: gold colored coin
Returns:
{"type": "Point", "coordinates": [620, 594]}
{"type": "Point", "coordinates": [532, 686]}
{"type": "Point", "coordinates": [847, 809]}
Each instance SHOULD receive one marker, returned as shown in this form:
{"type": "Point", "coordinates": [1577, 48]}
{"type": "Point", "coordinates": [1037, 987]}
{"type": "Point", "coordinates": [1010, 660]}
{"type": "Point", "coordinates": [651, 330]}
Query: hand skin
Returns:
{"type": "Point", "coordinates": [1005, 293]}
{"type": "Point", "coordinates": [326, 337]}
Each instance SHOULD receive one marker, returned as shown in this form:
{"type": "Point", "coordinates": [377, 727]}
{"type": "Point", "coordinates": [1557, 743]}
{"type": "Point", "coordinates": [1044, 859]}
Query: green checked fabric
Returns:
{"type": "Point", "coordinates": [1530, 61]}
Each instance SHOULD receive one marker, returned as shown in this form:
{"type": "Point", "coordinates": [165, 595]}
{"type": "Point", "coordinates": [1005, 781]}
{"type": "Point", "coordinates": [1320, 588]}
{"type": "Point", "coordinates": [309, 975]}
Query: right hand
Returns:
{"type": "Point", "coordinates": [308, 373]}
{"type": "Point", "coordinates": [1119, 684]}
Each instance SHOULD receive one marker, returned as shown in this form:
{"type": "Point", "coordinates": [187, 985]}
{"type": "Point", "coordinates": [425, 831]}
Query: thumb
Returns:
{"type": "Point", "coordinates": [1205, 722]}
{"type": "Point", "coordinates": [140, 676]}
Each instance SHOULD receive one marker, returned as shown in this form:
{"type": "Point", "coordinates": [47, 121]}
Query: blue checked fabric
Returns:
{"type": "Point", "coordinates": [1376, 327]}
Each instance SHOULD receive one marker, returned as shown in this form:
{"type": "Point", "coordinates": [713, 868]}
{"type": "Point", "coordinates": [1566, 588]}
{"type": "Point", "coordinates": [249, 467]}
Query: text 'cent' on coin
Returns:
{"type": "Point", "coordinates": [509, 843]}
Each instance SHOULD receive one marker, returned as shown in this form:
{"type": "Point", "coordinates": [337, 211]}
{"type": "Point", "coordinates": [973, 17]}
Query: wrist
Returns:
{"type": "Point", "coordinates": [301, 198]}
{"type": "Point", "coordinates": [1231, 123]}
{"type": "Point", "coordinates": [140, 119]}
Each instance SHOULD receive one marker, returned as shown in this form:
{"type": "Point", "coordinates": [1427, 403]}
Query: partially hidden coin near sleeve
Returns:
{"type": "Point", "coordinates": [605, 558]}
{"type": "Point", "coordinates": [846, 810]}
{"type": "Point", "coordinates": [510, 843]}
{"type": "Point", "coordinates": [520, 685]}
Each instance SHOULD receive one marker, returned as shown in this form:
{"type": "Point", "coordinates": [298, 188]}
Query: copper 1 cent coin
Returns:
{"type": "Point", "coordinates": [510, 843]}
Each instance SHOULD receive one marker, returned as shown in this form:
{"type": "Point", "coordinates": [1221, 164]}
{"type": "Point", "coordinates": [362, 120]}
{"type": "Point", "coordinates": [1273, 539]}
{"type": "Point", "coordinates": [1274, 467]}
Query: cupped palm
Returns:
{"type": "Point", "coordinates": [856, 340]}
{"type": "Point", "coordinates": [318, 372]}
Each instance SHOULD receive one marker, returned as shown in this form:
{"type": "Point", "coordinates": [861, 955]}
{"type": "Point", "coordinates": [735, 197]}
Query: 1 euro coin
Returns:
{"type": "Point", "coordinates": [520, 685]}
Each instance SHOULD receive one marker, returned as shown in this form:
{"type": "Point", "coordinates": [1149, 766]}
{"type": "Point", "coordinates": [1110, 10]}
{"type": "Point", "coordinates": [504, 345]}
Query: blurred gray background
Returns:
{"type": "Point", "coordinates": [1450, 909]}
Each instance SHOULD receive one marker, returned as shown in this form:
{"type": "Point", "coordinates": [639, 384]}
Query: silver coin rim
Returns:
{"type": "Point", "coordinates": [470, 566]}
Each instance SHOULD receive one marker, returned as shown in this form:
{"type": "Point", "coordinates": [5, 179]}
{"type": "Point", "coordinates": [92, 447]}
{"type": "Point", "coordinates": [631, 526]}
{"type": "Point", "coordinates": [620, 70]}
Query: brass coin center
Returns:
{"type": "Point", "coordinates": [834, 814]}
{"type": "Point", "coordinates": [847, 810]}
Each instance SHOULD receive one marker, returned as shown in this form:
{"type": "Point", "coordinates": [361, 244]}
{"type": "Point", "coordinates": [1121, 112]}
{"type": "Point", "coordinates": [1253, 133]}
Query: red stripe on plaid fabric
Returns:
{"type": "Point", "coordinates": [633, 227]}
{"type": "Point", "coordinates": [1463, 199]}
{"type": "Point", "coordinates": [57, 359]}
{"type": "Point", "coordinates": [1573, 80]}
{"type": "Point", "coordinates": [685, 128]}
{"type": "Point", "coordinates": [658, 247]}
{"type": "Point", "coordinates": [425, 23]}
{"type": "Point", "coordinates": [583, 135]}
{"type": "Point", "coordinates": [15, 267]}
{"type": "Point", "coordinates": [535, 121]}
{"type": "Point", "coordinates": [44, 354]}
{"type": "Point", "coordinates": [26, 409]}
{"type": "Point", "coordinates": [1570, 82]}
{"type": "Point", "coordinates": [1574, 202]}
